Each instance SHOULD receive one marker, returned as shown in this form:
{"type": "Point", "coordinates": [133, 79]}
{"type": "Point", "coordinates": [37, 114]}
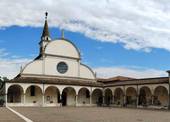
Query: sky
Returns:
{"type": "Point", "coordinates": [128, 37]}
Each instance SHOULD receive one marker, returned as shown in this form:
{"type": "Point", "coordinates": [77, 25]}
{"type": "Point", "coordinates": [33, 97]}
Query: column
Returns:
{"type": "Point", "coordinates": [43, 99]}
{"type": "Point", "coordinates": [6, 102]}
{"type": "Point", "coordinates": [90, 99]}
{"type": "Point", "coordinates": [152, 99]}
{"type": "Point", "coordinates": [24, 99]}
{"type": "Point", "coordinates": [61, 101]}
{"type": "Point", "coordinates": [137, 97]}
{"type": "Point", "coordinates": [124, 97]}
{"type": "Point", "coordinates": [113, 99]}
{"type": "Point", "coordinates": [76, 100]}
{"type": "Point", "coordinates": [169, 89]}
{"type": "Point", "coordinates": [103, 95]}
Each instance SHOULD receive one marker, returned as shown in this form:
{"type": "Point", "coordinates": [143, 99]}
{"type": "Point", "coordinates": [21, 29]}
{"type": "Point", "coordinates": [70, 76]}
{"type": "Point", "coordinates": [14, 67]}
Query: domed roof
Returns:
{"type": "Point", "coordinates": [62, 47]}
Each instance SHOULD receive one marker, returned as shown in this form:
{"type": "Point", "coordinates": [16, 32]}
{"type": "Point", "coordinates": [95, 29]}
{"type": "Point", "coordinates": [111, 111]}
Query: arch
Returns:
{"type": "Point", "coordinates": [131, 96]}
{"type": "Point", "coordinates": [108, 96]}
{"type": "Point", "coordinates": [160, 96]}
{"type": "Point", "coordinates": [15, 94]}
{"type": "Point", "coordinates": [52, 95]}
{"type": "Point", "coordinates": [118, 96]}
{"type": "Point", "coordinates": [145, 96]}
{"type": "Point", "coordinates": [84, 96]}
{"type": "Point", "coordinates": [68, 96]}
{"type": "Point", "coordinates": [97, 97]}
{"type": "Point", "coordinates": [33, 95]}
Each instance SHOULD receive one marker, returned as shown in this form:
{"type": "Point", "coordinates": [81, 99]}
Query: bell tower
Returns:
{"type": "Point", "coordinates": [45, 38]}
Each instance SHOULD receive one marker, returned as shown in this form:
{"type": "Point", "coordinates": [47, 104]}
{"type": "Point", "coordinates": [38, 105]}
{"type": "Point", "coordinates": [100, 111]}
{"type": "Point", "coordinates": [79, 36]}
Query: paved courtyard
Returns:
{"type": "Point", "coordinates": [84, 114]}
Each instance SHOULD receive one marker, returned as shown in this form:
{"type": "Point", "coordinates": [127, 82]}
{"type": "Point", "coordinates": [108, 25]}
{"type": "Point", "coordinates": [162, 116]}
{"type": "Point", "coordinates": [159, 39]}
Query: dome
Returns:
{"type": "Point", "coordinates": [62, 47]}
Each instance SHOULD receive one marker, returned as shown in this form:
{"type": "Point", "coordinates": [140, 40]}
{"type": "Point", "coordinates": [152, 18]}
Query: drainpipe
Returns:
{"type": "Point", "coordinates": [169, 89]}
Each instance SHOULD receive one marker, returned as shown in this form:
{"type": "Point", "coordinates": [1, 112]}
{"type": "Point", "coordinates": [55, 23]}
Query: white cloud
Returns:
{"type": "Point", "coordinates": [134, 72]}
{"type": "Point", "coordinates": [137, 24]}
{"type": "Point", "coordinates": [10, 65]}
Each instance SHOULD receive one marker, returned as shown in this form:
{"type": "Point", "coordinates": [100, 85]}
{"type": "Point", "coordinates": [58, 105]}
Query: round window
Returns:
{"type": "Point", "coordinates": [62, 67]}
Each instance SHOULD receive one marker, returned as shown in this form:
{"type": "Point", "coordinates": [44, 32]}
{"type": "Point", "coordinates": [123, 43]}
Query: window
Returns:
{"type": "Point", "coordinates": [62, 67]}
{"type": "Point", "coordinates": [32, 91]}
{"type": "Point", "coordinates": [87, 94]}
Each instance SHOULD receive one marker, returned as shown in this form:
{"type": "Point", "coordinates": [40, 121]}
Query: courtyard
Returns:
{"type": "Point", "coordinates": [84, 114]}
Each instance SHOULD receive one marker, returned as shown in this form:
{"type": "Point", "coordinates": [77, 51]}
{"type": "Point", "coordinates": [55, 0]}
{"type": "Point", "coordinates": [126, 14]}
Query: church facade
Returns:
{"type": "Point", "coordinates": [57, 77]}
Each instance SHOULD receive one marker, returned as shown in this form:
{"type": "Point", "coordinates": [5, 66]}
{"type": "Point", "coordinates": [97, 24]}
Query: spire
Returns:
{"type": "Point", "coordinates": [45, 34]}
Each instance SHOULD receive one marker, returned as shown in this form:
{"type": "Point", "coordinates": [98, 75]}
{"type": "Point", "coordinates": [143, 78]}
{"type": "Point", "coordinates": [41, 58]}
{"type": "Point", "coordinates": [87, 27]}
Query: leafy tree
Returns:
{"type": "Point", "coordinates": [2, 81]}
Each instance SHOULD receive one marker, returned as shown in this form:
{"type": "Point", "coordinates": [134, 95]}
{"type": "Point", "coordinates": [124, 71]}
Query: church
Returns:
{"type": "Point", "coordinates": [57, 77]}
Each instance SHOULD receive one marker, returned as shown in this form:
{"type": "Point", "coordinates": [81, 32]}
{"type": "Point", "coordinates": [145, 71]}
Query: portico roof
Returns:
{"type": "Point", "coordinates": [59, 81]}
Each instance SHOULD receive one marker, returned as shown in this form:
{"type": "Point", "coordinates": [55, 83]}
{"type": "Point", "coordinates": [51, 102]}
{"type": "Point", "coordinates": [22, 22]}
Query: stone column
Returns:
{"type": "Point", "coordinates": [103, 95]}
{"type": "Point", "coordinates": [24, 99]}
{"type": "Point", "coordinates": [152, 99]}
{"type": "Point", "coordinates": [169, 89]}
{"type": "Point", "coordinates": [61, 101]}
{"type": "Point", "coordinates": [113, 99]}
{"type": "Point", "coordinates": [90, 99]}
{"type": "Point", "coordinates": [43, 99]}
{"type": "Point", "coordinates": [124, 96]}
{"type": "Point", "coordinates": [6, 102]}
{"type": "Point", "coordinates": [137, 97]}
{"type": "Point", "coordinates": [76, 100]}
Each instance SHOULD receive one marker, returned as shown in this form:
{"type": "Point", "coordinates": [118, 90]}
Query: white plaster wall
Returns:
{"type": "Point", "coordinates": [52, 94]}
{"type": "Point", "coordinates": [51, 66]}
{"type": "Point", "coordinates": [38, 97]}
{"type": "Point", "coordinates": [71, 97]}
{"type": "Point", "coordinates": [82, 99]}
{"type": "Point", "coordinates": [61, 48]}
{"type": "Point", "coordinates": [34, 67]}
{"type": "Point", "coordinates": [85, 72]}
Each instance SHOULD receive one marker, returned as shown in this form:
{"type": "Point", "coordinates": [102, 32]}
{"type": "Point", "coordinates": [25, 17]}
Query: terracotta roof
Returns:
{"type": "Point", "coordinates": [73, 81]}
{"type": "Point", "coordinates": [114, 79]}
{"type": "Point", "coordinates": [157, 80]}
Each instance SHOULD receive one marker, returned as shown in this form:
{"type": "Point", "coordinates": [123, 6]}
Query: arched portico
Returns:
{"type": "Point", "coordinates": [97, 97]}
{"type": "Point", "coordinates": [15, 94]}
{"type": "Point", "coordinates": [34, 96]}
{"type": "Point", "coordinates": [145, 96]}
{"type": "Point", "coordinates": [108, 97]}
{"type": "Point", "coordinates": [84, 96]}
{"type": "Point", "coordinates": [160, 96]}
{"type": "Point", "coordinates": [69, 96]}
{"type": "Point", "coordinates": [52, 96]}
{"type": "Point", "coordinates": [118, 96]}
{"type": "Point", "coordinates": [131, 96]}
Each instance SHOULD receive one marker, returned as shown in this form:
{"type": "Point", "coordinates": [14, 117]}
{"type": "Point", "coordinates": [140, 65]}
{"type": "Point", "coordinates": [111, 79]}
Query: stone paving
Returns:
{"type": "Point", "coordinates": [8, 116]}
{"type": "Point", "coordinates": [93, 114]}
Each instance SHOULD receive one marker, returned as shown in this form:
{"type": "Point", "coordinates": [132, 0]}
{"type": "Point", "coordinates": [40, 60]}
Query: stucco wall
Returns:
{"type": "Point", "coordinates": [51, 66]}
{"type": "Point", "coordinates": [85, 72]}
{"type": "Point", "coordinates": [62, 48]}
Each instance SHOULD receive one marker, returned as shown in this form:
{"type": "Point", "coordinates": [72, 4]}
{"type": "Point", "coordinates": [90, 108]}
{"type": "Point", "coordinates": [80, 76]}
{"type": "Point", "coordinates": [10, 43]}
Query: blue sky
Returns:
{"type": "Point", "coordinates": [115, 38]}
{"type": "Point", "coordinates": [22, 42]}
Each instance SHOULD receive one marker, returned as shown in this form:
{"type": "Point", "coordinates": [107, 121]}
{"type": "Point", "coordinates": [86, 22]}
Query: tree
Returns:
{"type": "Point", "coordinates": [2, 81]}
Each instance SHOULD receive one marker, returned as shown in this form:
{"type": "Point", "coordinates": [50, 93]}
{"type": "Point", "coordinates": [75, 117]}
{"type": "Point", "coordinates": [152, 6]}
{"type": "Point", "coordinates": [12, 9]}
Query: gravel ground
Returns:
{"type": "Point", "coordinates": [92, 114]}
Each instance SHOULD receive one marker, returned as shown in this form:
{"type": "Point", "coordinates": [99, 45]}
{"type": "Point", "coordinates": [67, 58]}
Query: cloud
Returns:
{"type": "Point", "coordinates": [136, 24]}
{"type": "Point", "coordinates": [134, 72]}
{"type": "Point", "coordinates": [10, 64]}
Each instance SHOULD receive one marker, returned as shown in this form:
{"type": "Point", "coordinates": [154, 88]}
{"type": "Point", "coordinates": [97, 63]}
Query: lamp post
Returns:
{"type": "Point", "coordinates": [169, 89]}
